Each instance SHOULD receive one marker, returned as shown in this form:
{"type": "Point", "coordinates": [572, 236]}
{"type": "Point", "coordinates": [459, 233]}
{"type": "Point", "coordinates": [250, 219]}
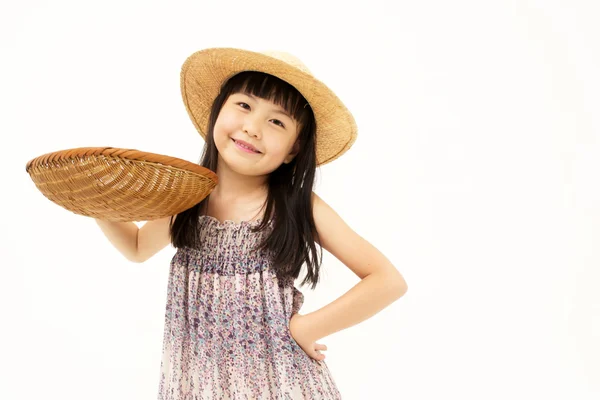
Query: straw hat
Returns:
{"type": "Point", "coordinates": [204, 72]}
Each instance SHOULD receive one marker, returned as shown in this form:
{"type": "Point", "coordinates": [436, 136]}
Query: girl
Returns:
{"type": "Point", "coordinates": [232, 324]}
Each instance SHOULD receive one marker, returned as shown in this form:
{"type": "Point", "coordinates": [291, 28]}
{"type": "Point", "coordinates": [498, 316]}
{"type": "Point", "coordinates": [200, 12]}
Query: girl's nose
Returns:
{"type": "Point", "coordinates": [251, 127]}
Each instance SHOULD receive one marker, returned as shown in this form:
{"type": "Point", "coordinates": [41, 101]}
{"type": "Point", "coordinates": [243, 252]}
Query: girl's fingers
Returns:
{"type": "Point", "coordinates": [318, 348]}
{"type": "Point", "coordinates": [316, 353]}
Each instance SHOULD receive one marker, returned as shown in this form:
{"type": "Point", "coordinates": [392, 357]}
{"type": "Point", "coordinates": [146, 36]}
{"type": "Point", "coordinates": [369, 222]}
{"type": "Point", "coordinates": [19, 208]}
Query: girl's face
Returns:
{"type": "Point", "coordinates": [264, 125]}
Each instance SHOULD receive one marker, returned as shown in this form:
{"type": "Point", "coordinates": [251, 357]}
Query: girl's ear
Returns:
{"type": "Point", "coordinates": [293, 153]}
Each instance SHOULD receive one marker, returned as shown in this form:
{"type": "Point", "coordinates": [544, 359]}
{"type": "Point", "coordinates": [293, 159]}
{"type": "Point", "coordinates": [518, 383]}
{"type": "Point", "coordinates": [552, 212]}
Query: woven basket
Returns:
{"type": "Point", "coordinates": [120, 184]}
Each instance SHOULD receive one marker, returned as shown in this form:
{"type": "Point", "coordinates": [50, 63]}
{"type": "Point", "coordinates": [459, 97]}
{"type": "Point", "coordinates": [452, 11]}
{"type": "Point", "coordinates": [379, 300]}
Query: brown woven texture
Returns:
{"type": "Point", "coordinates": [120, 184]}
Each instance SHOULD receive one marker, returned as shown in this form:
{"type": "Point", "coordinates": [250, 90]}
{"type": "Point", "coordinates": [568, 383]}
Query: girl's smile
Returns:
{"type": "Point", "coordinates": [245, 146]}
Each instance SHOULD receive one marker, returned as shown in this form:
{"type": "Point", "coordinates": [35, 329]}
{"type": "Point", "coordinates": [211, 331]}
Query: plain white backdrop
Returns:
{"type": "Point", "coordinates": [475, 172]}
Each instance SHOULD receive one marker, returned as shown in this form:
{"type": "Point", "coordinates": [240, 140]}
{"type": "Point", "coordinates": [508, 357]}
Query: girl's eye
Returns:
{"type": "Point", "coordinates": [247, 107]}
{"type": "Point", "coordinates": [278, 122]}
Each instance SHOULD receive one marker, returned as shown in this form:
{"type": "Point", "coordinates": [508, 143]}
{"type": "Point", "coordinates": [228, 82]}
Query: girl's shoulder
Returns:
{"type": "Point", "coordinates": [339, 239]}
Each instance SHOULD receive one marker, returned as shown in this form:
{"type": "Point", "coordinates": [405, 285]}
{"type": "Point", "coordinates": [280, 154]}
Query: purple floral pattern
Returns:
{"type": "Point", "coordinates": [226, 332]}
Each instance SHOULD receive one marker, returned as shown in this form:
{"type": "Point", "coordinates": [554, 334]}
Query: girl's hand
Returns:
{"type": "Point", "coordinates": [301, 333]}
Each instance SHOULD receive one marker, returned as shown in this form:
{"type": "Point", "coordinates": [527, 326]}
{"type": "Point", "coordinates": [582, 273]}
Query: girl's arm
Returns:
{"type": "Point", "coordinates": [381, 283]}
{"type": "Point", "coordinates": [137, 244]}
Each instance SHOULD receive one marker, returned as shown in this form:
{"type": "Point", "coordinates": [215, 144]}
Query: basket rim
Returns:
{"type": "Point", "coordinates": [116, 152]}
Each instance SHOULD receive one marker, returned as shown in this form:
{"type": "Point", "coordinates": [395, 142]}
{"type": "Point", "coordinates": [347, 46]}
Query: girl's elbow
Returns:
{"type": "Point", "coordinates": [135, 258]}
{"type": "Point", "coordinates": [400, 286]}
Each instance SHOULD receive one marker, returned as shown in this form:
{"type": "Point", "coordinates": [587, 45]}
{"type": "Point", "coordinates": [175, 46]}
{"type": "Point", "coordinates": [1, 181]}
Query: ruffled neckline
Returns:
{"type": "Point", "coordinates": [229, 223]}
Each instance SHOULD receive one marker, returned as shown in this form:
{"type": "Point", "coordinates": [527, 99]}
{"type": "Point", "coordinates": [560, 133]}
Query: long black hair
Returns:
{"type": "Point", "coordinates": [289, 198]}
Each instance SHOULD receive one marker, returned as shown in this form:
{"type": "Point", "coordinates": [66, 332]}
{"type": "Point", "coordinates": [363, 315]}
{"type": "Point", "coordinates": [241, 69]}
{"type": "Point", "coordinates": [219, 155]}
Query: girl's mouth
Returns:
{"type": "Point", "coordinates": [244, 148]}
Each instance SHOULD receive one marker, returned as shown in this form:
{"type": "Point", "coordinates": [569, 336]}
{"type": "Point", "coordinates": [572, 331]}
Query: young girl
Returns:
{"type": "Point", "coordinates": [232, 325]}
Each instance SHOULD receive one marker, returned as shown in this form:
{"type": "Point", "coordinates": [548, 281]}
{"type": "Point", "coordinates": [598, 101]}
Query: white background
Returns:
{"type": "Point", "coordinates": [475, 172]}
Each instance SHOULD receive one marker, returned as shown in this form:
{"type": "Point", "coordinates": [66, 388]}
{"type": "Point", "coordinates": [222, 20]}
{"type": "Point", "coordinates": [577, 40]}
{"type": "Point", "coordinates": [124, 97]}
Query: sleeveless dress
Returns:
{"type": "Point", "coordinates": [226, 333]}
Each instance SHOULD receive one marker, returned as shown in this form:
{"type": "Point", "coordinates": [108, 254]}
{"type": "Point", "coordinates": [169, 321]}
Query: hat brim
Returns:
{"type": "Point", "coordinates": [204, 72]}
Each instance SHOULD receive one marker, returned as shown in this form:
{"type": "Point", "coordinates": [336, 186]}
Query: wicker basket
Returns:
{"type": "Point", "coordinates": [120, 184]}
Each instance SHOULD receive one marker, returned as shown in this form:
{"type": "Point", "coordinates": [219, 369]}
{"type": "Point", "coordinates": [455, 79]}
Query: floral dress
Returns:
{"type": "Point", "coordinates": [227, 316]}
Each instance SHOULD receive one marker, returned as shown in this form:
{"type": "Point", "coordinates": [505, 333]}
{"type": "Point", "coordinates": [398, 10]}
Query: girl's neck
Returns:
{"type": "Point", "coordinates": [236, 196]}
{"type": "Point", "coordinates": [236, 188]}
{"type": "Point", "coordinates": [234, 208]}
